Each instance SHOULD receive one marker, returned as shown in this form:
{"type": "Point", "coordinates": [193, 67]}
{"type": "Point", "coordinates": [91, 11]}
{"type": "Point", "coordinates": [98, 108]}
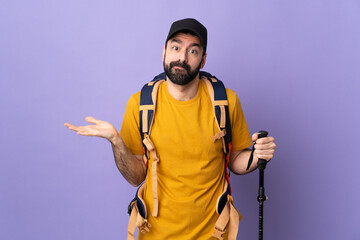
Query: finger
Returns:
{"type": "Point", "coordinates": [70, 126]}
{"type": "Point", "coordinates": [92, 120]}
{"type": "Point", "coordinates": [254, 137]}
{"type": "Point", "coordinates": [265, 140]}
{"type": "Point", "coordinates": [265, 152]}
{"type": "Point", "coordinates": [89, 132]}
{"type": "Point", "coordinates": [85, 133]}
{"type": "Point", "coordinates": [267, 157]}
{"type": "Point", "coordinates": [86, 128]}
{"type": "Point", "coordinates": [270, 145]}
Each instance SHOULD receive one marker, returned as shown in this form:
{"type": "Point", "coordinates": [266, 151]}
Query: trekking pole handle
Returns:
{"type": "Point", "coordinates": [262, 162]}
{"type": "Point", "coordinates": [262, 134]}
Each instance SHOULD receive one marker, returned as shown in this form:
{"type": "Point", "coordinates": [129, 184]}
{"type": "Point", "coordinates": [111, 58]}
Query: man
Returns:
{"type": "Point", "coordinates": [191, 172]}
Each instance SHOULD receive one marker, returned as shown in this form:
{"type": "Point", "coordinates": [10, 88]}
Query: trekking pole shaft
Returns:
{"type": "Point", "coordinates": [261, 192]}
{"type": "Point", "coordinates": [261, 199]}
{"type": "Point", "coordinates": [261, 208]}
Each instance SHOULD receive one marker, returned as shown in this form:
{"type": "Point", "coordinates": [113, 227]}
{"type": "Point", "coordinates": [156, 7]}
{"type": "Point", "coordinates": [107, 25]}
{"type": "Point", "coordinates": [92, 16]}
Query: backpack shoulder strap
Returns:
{"type": "Point", "coordinates": [228, 215]}
{"type": "Point", "coordinates": [147, 108]}
{"type": "Point", "coordinates": [217, 92]}
{"type": "Point", "coordinates": [148, 97]}
{"type": "Point", "coordinates": [220, 102]}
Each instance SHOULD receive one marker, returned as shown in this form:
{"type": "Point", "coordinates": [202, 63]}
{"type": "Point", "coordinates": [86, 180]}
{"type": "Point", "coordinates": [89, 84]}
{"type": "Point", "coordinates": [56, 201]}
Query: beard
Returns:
{"type": "Point", "coordinates": [180, 77]}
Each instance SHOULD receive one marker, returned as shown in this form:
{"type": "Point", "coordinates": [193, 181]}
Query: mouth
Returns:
{"type": "Point", "coordinates": [179, 68]}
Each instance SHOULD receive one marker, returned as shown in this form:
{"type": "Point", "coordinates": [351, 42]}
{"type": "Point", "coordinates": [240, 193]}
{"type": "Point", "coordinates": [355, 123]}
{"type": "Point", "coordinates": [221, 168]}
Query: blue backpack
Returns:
{"type": "Point", "coordinates": [228, 215]}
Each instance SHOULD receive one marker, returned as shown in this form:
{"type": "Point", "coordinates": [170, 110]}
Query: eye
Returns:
{"type": "Point", "coordinates": [193, 51]}
{"type": "Point", "coordinates": [175, 48]}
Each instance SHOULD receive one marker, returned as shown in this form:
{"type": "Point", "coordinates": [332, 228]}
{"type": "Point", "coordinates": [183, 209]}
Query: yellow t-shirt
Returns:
{"type": "Point", "coordinates": [191, 170]}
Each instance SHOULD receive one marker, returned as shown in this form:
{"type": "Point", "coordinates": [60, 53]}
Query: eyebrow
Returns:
{"type": "Point", "coordinates": [195, 45]}
{"type": "Point", "coordinates": [176, 40]}
{"type": "Point", "coordinates": [191, 45]}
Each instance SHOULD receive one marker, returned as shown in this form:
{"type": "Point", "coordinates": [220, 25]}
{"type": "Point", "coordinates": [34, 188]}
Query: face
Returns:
{"type": "Point", "coordinates": [182, 58]}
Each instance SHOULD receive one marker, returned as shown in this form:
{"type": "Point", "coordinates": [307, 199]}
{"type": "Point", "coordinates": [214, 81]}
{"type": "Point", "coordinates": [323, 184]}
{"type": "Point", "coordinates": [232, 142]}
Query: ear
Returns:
{"type": "Point", "coordinates": [203, 61]}
{"type": "Point", "coordinates": [163, 54]}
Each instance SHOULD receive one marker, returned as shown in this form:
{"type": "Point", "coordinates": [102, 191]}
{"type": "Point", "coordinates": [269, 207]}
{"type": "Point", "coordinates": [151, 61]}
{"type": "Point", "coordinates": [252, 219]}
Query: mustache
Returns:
{"type": "Point", "coordinates": [180, 64]}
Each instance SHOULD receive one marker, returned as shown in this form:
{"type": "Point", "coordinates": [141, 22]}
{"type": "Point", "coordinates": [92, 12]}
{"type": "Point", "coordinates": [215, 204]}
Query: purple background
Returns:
{"type": "Point", "coordinates": [294, 65]}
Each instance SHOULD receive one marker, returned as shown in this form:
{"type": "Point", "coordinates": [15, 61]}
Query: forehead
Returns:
{"type": "Point", "coordinates": [185, 38]}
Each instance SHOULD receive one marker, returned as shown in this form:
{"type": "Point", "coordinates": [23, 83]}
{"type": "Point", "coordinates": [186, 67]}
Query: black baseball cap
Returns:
{"type": "Point", "coordinates": [189, 25]}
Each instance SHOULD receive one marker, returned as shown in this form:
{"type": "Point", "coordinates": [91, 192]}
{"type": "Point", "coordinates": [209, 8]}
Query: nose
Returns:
{"type": "Point", "coordinates": [183, 56]}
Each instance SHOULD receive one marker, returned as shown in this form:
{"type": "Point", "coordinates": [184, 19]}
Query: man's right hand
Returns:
{"type": "Point", "coordinates": [99, 129]}
{"type": "Point", "coordinates": [131, 166]}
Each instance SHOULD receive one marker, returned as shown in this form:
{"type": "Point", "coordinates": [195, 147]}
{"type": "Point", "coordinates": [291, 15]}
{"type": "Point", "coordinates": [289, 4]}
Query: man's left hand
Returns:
{"type": "Point", "coordinates": [264, 147]}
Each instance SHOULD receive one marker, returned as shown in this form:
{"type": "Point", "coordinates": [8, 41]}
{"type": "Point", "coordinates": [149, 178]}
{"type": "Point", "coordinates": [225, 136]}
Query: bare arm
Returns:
{"type": "Point", "coordinates": [239, 161]}
{"type": "Point", "coordinates": [264, 148]}
{"type": "Point", "coordinates": [131, 166]}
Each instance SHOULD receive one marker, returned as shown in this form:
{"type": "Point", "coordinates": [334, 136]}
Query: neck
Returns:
{"type": "Point", "coordinates": [183, 92]}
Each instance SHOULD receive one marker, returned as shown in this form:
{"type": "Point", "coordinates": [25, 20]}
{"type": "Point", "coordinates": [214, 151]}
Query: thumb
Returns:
{"type": "Point", "coordinates": [254, 137]}
{"type": "Point", "coordinates": [92, 120]}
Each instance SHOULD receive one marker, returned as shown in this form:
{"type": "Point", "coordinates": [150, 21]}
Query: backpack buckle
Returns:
{"type": "Point", "coordinates": [218, 233]}
{"type": "Point", "coordinates": [148, 143]}
{"type": "Point", "coordinates": [144, 226]}
{"type": "Point", "coordinates": [218, 135]}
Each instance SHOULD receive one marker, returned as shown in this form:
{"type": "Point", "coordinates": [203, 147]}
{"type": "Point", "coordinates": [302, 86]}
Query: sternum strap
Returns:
{"type": "Point", "coordinates": [151, 148]}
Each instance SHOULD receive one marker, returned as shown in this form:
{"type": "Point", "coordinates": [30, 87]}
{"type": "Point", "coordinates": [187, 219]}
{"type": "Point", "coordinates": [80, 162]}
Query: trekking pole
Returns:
{"type": "Point", "coordinates": [261, 193]}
